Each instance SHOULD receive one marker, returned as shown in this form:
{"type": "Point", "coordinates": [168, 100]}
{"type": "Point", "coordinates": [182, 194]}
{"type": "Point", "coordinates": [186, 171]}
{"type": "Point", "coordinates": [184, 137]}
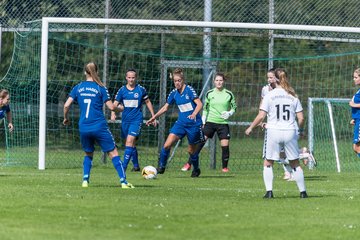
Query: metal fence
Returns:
{"type": "Point", "coordinates": [15, 13]}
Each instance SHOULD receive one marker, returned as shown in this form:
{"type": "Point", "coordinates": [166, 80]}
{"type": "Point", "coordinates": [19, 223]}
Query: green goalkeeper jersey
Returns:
{"type": "Point", "coordinates": [217, 102]}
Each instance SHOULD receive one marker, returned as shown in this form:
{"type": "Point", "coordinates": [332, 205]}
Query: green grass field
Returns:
{"type": "Point", "coordinates": [51, 204]}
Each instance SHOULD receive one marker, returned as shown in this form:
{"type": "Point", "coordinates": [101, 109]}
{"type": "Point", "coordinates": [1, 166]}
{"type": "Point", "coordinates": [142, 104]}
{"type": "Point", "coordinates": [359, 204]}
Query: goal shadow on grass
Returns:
{"type": "Point", "coordinates": [311, 196]}
{"type": "Point", "coordinates": [118, 186]}
{"type": "Point", "coordinates": [316, 178]}
{"type": "Point", "coordinates": [208, 176]}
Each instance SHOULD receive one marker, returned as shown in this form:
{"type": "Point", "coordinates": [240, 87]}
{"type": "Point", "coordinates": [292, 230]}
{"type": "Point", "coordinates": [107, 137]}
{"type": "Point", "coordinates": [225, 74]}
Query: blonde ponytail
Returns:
{"type": "Point", "coordinates": [92, 69]}
{"type": "Point", "coordinates": [282, 80]}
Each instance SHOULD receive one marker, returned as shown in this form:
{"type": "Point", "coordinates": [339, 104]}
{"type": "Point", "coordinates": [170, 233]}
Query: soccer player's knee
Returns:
{"type": "Point", "coordinates": [191, 151]}
{"type": "Point", "coordinates": [167, 147]}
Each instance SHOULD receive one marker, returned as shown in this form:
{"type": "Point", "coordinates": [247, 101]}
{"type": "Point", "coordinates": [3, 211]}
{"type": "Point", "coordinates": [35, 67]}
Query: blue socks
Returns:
{"type": "Point", "coordinates": [164, 155]}
{"type": "Point", "coordinates": [127, 155]}
{"type": "Point", "coordinates": [194, 160]}
{"type": "Point", "coordinates": [87, 164]}
{"type": "Point", "coordinates": [130, 153]}
{"type": "Point", "coordinates": [135, 159]}
{"type": "Point", "coordinates": [119, 168]}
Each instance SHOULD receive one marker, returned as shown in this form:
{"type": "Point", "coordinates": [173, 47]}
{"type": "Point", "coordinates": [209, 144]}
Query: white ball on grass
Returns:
{"type": "Point", "coordinates": [149, 172]}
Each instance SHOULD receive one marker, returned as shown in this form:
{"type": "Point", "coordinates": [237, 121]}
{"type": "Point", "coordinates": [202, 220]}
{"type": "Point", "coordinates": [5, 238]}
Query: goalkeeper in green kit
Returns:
{"type": "Point", "coordinates": [219, 106]}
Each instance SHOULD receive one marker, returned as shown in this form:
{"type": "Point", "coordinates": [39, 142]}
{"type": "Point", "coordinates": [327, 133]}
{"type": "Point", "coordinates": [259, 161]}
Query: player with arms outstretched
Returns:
{"type": "Point", "coordinates": [282, 107]}
{"type": "Point", "coordinates": [91, 96]}
{"type": "Point", "coordinates": [132, 96]}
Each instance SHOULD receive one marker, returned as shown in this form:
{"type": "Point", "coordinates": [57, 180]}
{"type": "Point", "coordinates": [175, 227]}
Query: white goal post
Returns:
{"type": "Point", "coordinates": [311, 117]}
{"type": "Point", "coordinates": [138, 22]}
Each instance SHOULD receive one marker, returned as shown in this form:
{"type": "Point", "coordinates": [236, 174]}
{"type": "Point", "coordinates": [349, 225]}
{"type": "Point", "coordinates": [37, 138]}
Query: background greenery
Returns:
{"type": "Point", "coordinates": [16, 15]}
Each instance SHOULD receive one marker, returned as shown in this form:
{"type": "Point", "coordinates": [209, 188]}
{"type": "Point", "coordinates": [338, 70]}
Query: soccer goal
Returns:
{"type": "Point", "coordinates": [330, 132]}
{"type": "Point", "coordinates": [48, 61]}
{"type": "Point", "coordinates": [98, 26]}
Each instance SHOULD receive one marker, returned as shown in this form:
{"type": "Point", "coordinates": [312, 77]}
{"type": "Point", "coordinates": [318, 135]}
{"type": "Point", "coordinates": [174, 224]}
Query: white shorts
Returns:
{"type": "Point", "coordinates": [276, 139]}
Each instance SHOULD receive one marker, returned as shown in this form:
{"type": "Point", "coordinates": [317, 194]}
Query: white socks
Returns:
{"type": "Point", "coordinates": [268, 176]}
{"type": "Point", "coordinates": [298, 176]}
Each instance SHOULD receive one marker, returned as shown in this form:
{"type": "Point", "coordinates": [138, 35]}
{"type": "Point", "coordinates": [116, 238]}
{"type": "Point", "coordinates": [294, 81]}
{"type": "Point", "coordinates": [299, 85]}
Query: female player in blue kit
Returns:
{"type": "Point", "coordinates": [132, 96]}
{"type": "Point", "coordinates": [188, 123]}
{"type": "Point", "coordinates": [91, 96]}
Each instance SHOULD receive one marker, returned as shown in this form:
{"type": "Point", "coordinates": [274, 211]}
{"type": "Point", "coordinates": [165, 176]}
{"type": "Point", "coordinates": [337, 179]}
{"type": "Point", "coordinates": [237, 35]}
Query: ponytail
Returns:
{"type": "Point", "coordinates": [92, 69]}
{"type": "Point", "coordinates": [282, 79]}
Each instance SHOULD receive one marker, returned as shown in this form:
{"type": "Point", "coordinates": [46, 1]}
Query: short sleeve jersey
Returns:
{"type": "Point", "coordinates": [91, 98]}
{"type": "Point", "coordinates": [3, 110]}
{"type": "Point", "coordinates": [217, 102]}
{"type": "Point", "coordinates": [355, 112]}
{"type": "Point", "coordinates": [186, 105]}
{"type": "Point", "coordinates": [132, 101]}
{"type": "Point", "coordinates": [281, 109]}
{"type": "Point", "coordinates": [265, 90]}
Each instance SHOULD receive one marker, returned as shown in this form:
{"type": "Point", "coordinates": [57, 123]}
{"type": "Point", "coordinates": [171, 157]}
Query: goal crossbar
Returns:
{"type": "Point", "coordinates": [201, 24]}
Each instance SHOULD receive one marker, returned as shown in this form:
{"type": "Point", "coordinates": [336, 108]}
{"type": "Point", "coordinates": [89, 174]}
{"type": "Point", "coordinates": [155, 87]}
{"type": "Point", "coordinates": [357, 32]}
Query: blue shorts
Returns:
{"type": "Point", "coordinates": [103, 137]}
{"type": "Point", "coordinates": [131, 128]}
{"type": "Point", "coordinates": [194, 134]}
{"type": "Point", "coordinates": [356, 138]}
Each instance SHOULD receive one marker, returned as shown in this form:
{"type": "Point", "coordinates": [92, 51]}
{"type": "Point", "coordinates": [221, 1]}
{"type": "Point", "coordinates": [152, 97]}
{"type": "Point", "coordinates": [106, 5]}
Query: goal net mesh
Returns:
{"type": "Point", "coordinates": [319, 64]}
{"type": "Point", "coordinates": [332, 134]}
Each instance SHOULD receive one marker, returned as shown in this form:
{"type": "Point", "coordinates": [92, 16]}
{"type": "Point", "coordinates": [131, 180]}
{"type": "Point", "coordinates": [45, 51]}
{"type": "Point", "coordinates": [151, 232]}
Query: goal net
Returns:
{"type": "Point", "coordinates": [330, 133]}
{"type": "Point", "coordinates": [319, 62]}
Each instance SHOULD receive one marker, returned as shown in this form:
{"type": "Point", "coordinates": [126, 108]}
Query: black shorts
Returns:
{"type": "Point", "coordinates": [222, 130]}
